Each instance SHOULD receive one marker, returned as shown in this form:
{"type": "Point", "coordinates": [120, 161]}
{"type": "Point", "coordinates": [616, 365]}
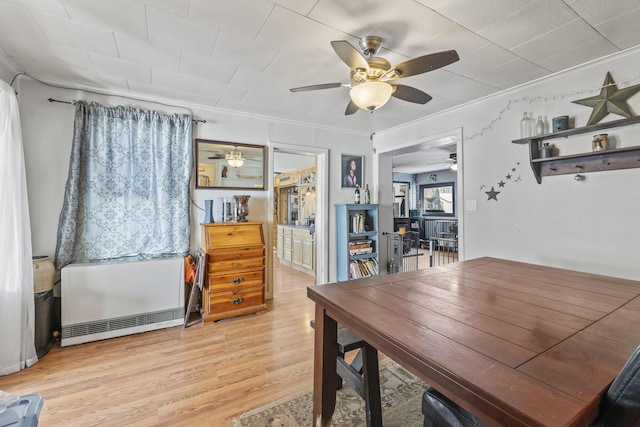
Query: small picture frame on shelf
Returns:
{"type": "Point", "coordinates": [352, 171]}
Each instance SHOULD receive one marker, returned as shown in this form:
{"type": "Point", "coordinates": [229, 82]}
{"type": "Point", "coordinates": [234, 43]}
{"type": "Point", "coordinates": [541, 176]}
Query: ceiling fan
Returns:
{"type": "Point", "coordinates": [372, 77]}
{"type": "Point", "coordinates": [450, 162]}
{"type": "Point", "coordinates": [235, 158]}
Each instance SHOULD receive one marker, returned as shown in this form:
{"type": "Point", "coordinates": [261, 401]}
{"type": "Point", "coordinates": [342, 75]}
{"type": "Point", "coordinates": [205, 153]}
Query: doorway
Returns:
{"type": "Point", "coordinates": [427, 161]}
{"type": "Point", "coordinates": [401, 199]}
{"type": "Point", "coordinates": [297, 234]}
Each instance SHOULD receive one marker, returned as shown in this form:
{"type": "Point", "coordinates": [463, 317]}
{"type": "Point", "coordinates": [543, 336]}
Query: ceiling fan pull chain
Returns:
{"type": "Point", "coordinates": [373, 130]}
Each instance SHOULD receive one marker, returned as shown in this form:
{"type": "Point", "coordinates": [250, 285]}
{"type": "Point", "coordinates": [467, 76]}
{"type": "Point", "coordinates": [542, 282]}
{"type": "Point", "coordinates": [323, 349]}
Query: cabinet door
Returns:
{"type": "Point", "coordinates": [287, 247]}
{"type": "Point", "coordinates": [307, 254]}
{"type": "Point", "coordinates": [296, 251]}
{"type": "Point", "coordinates": [280, 245]}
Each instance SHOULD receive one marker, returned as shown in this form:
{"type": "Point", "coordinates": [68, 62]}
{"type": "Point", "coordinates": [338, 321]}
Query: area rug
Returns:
{"type": "Point", "coordinates": [400, 392]}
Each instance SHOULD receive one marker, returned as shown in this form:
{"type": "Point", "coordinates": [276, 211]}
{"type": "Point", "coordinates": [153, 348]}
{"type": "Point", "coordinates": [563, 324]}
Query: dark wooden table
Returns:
{"type": "Point", "coordinates": [515, 344]}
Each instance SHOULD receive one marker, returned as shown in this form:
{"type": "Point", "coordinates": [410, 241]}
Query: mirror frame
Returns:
{"type": "Point", "coordinates": [226, 146]}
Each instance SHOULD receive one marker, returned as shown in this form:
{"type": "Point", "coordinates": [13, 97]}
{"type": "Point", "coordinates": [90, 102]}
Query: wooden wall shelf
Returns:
{"type": "Point", "coordinates": [622, 158]}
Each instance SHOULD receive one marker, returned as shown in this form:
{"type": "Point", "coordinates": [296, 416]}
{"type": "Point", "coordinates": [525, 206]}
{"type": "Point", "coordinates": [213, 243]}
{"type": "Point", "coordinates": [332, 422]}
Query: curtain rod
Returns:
{"type": "Point", "coordinates": [24, 73]}
{"type": "Point", "coordinates": [75, 102]}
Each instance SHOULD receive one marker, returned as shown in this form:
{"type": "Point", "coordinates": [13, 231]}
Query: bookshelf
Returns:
{"type": "Point", "coordinates": [357, 237]}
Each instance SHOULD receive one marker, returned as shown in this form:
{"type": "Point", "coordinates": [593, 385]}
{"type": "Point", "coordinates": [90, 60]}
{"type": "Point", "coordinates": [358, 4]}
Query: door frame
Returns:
{"type": "Point", "coordinates": [383, 158]}
{"type": "Point", "coordinates": [322, 209]}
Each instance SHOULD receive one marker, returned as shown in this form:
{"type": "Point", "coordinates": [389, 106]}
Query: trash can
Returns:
{"type": "Point", "coordinates": [43, 338]}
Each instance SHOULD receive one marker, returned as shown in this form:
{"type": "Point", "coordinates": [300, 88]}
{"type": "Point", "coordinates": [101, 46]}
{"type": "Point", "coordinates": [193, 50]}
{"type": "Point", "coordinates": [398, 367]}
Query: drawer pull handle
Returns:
{"type": "Point", "coordinates": [237, 300]}
{"type": "Point", "coordinates": [237, 280]}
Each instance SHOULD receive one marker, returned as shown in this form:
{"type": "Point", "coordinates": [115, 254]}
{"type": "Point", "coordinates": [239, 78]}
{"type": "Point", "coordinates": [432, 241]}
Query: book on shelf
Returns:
{"type": "Point", "coordinates": [357, 247]}
{"type": "Point", "coordinates": [363, 268]}
{"type": "Point", "coordinates": [361, 251]}
{"type": "Point", "coordinates": [357, 223]}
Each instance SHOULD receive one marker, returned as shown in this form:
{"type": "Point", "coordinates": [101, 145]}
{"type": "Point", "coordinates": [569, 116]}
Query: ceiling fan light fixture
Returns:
{"type": "Point", "coordinates": [454, 158]}
{"type": "Point", "coordinates": [371, 95]}
{"type": "Point", "coordinates": [235, 159]}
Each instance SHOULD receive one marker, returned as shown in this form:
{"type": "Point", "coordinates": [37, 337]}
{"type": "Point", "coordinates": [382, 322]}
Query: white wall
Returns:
{"type": "Point", "coordinates": [589, 226]}
{"type": "Point", "coordinates": [6, 72]}
{"type": "Point", "coordinates": [48, 129]}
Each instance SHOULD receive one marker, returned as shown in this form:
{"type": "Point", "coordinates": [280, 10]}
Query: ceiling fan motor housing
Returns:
{"type": "Point", "coordinates": [378, 68]}
{"type": "Point", "coordinates": [370, 45]}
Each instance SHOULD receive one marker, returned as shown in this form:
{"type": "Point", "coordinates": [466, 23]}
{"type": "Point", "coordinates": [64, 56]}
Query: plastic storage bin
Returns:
{"type": "Point", "coordinates": [23, 414]}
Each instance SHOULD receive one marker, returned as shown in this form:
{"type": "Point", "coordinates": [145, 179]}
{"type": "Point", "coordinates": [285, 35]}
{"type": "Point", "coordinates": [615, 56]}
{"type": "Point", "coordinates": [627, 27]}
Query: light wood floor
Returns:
{"type": "Point", "coordinates": [199, 376]}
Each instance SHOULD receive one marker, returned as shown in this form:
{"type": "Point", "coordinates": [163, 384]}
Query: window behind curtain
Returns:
{"type": "Point", "coordinates": [127, 193]}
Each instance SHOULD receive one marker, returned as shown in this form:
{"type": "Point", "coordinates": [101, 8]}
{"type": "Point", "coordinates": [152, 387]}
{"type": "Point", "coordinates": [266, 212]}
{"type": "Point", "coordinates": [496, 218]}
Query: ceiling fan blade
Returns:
{"type": "Point", "coordinates": [315, 87]}
{"type": "Point", "coordinates": [425, 63]}
{"type": "Point", "coordinates": [443, 162]}
{"type": "Point", "coordinates": [350, 55]}
{"type": "Point", "coordinates": [411, 94]}
{"type": "Point", "coordinates": [351, 108]}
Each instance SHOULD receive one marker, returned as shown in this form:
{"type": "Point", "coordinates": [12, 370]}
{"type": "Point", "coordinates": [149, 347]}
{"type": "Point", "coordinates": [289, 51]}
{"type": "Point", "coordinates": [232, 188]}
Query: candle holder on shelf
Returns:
{"type": "Point", "coordinates": [243, 207]}
{"type": "Point", "coordinates": [600, 142]}
{"type": "Point", "coordinates": [228, 210]}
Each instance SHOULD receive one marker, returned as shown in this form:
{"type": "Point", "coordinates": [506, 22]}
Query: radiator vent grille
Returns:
{"type": "Point", "coordinates": [429, 229]}
{"type": "Point", "coordinates": [118, 323]}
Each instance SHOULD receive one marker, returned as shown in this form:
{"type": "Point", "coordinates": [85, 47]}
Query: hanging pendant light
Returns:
{"type": "Point", "coordinates": [235, 159]}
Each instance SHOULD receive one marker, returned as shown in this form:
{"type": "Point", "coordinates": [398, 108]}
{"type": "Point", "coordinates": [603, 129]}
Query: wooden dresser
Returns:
{"type": "Point", "coordinates": [234, 282]}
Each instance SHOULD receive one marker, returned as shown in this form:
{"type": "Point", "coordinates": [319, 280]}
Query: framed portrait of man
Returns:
{"type": "Point", "coordinates": [352, 172]}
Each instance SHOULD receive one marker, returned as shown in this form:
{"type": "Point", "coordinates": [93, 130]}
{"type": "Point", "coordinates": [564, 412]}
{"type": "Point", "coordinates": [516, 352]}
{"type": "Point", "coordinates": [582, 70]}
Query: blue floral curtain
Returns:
{"type": "Point", "coordinates": [127, 193]}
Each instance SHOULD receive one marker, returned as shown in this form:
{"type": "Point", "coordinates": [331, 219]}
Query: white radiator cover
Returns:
{"type": "Point", "coordinates": [112, 299]}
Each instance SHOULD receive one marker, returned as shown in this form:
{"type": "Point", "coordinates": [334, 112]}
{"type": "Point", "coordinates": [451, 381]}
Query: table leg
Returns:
{"type": "Point", "coordinates": [372, 387]}
{"type": "Point", "coordinates": [324, 368]}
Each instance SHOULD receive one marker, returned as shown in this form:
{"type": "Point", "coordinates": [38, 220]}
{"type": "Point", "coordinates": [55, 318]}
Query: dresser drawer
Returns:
{"type": "Point", "coordinates": [233, 235]}
{"type": "Point", "coordinates": [218, 255]}
{"type": "Point", "coordinates": [228, 301]}
{"type": "Point", "coordinates": [236, 264]}
{"type": "Point", "coordinates": [235, 281]}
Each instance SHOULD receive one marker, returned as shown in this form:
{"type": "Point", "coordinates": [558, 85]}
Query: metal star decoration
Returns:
{"type": "Point", "coordinates": [493, 194]}
{"type": "Point", "coordinates": [610, 100]}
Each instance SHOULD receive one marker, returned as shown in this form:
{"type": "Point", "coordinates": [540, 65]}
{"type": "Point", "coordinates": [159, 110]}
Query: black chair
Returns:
{"type": "Point", "coordinates": [620, 406]}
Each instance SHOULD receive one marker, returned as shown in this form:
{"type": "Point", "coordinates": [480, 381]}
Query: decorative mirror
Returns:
{"type": "Point", "coordinates": [230, 165]}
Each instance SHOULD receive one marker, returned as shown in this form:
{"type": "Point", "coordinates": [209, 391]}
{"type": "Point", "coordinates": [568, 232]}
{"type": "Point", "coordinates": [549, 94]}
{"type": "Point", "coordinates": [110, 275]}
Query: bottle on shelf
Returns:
{"type": "Point", "coordinates": [357, 195]}
{"type": "Point", "coordinates": [539, 126]}
{"type": "Point", "coordinates": [524, 126]}
{"type": "Point", "coordinates": [367, 195]}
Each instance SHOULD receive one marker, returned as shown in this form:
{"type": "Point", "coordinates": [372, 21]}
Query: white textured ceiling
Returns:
{"type": "Point", "coordinates": [244, 55]}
